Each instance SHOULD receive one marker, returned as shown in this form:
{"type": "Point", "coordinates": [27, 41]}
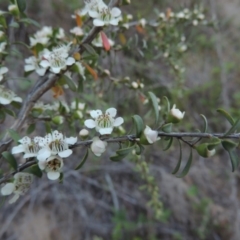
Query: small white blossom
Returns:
{"type": "Point", "coordinates": [60, 34]}
{"type": "Point", "coordinates": [42, 36]}
{"type": "Point", "coordinates": [104, 122]}
{"type": "Point", "coordinates": [98, 146]}
{"type": "Point", "coordinates": [55, 143]}
{"type": "Point", "coordinates": [195, 22]}
{"type": "Point", "coordinates": [28, 146]}
{"type": "Point", "coordinates": [81, 69]}
{"type": "Point", "coordinates": [2, 46]}
{"type": "Point", "coordinates": [77, 31]}
{"type": "Point", "coordinates": [20, 185]}
{"type": "Point", "coordinates": [92, 6]}
{"type": "Point", "coordinates": [53, 167]}
{"type": "Point", "coordinates": [106, 16]}
{"type": "Point", "coordinates": [12, 7]}
{"type": "Point", "coordinates": [175, 115]}
{"type": "Point", "coordinates": [7, 96]}
{"type": "Point", "coordinates": [57, 59]}
{"type": "Point", "coordinates": [77, 105]}
{"type": "Point", "coordinates": [151, 135]}
{"type": "Point", "coordinates": [3, 70]}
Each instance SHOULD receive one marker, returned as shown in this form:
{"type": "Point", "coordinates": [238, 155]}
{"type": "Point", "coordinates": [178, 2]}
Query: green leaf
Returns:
{"type": "Point", "coordinates": [138, 122]}
{"type": "Point", "coordinates": [205, 123]}
{"type": "Point", "coordinates": [234, 160]}
{"type": "Point", "coordinates": [117, 158]}
{"type": "Point", "coordinates": [21, 5]}
{"type": "Point", "coordinates": [61, 177]}
{"type": "Point", "coordinates": [80, 86]}
{"type": "Point", "coordinates": [89, 49]}
{"type": "Point", "coordinates": [187, 166]}
{"type": "Point", "coordinates": [167, 128]}
{"type": "Point", "coordinates": [168, 103]}
{"type": "Point", "coordinates": [180, 159]}
{"type": "Point", "coordinates": [72, 85]}
{"type": "Point", "coordinates": [234, 127]}
{"type": "Point", "coordinates": [30, 21]}
{"type": "Point", "coordinates": [125, 151]}
{"type": "Point", "coordinates": [169, 144]}
{"type": "Point", "coordinates": [2, 116]}
{"type": "Point", "coordinates": [82, 161]}
{"type": "Point", "coordinates": [31, 128]}
{"type": "Point", "coordinates": [226, 115]}
{"type": "Point", "coordinates": [9, 112]}
{"type": "Point", "coordinates": [154, 102]}
{"type": "Point", "coordinates": [48, 127]}
{"type": "Point", "coordinates": [139, 149]}
{"type": "Point", "coordinates": [14, 135]}
{"type": "Point", "coordinates": [10, 159]}
{"type": "Point", "coordinates": [229, 145]}
{"type": "Point", "coordinates": [14, 25]}
{"type": "Point", "coordinates": [34, 169]}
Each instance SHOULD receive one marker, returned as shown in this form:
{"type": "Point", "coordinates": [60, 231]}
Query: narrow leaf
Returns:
{"type": "Point", "coordinates": [82, 161]}
{"type": "Point", "coordinates": [234, 127]}
{"type": "Point", "coordinates": [78, 20]}
{"type": "Point", "coordinates": [89, 49]}
{"type": "Point", "coordinates": [226, 115]}
{"type": "Point", "coordinates": [169, 144]}
{"type": "Point", "coordinates": [139, 126]}
{"type": "Point", "coordinates": [14, 135]}
{"type": "Point", "coordinates": [105, 41]}
{"type": "Point", "coordinates": [91, 71]}
{"type": "Point", "coordinates": [34, 169]}
{"type": "Point", "coordinates": [187, 166]}
{"type": "Point", "coordinates": [117, 158]}
{"type": "Point", "coordinates": [72, 85]}
{"type": "Point", "coordinates": [205, 123]}
{"type": "Point", "coordinates": [9, 112]}
{"type": "Point", "coordinates": [180, 159]}
{"type": "Point", "coordinates": [139, 149]}
{"type": "Point", "coordinates": [31, 128]}
{"type": "Point", "coordinates": [125, 151]}
{"type": "Point", "coordinates": [168, 103]}
{"type": "Point", "coordinates": [234, 160]}
{"type": "Point", "coordinates": [21, 5]}
{"type": "Point", "coordinates": [154, 102]}
{"type": "Point", "coordinates": [10, 159]}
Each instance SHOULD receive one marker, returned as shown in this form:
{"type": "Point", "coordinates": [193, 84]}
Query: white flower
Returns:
{"type": "Point", "coordinates": [53, 166]}
{"type": "Point", "coordinates": [98, 146]}
{"type": "Point", "coordinates": [177, 113]}
{"type": "Point", "coordinates": [77, 31]}
{"type": "Point", "coordinates": [106, 16]}
{"type": "Point", "coordinates": [42, 36]}
{"type": "Point", "coordinates": [32, 63]}
{"type": "Point", "coordinates": [104, 122]}
{"type": "Point", "coordinates": [3, 70]}
{"type": "Point", "coordinates": [60, 34]}
{"type": "Point", "coordinates": [7, 96]}
{"type": "Point", "coordinates": [28, 146]}
{"type": "Point", "coordinates": [2, 46]}
{"type": "Point", "coordinates": [151, 135]}
{"type": "Point", "coordinates": [58, 59]}
{"type": "Point", "coordinates": [97, 42]}
{"type": "Point", "coordinates": [20, 185]}
{"type": "Point", "coordinates": [12, 7]}
{"type": "Point", "coordinates": [55, 143]}
{"type": "Point", "coordinates": [92, 6]}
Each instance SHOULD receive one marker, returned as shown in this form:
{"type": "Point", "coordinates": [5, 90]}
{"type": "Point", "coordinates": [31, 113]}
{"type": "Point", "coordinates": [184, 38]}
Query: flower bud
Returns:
{"type": "Point", "coordinates": [58, 120]}
{"type": "Point", "coordinates": [167, 128]}
{"type": "Point", "coordinates": [175, 115]}
{"type": "Point", "coordinates": [205, 151]}
{"type": "Point", "coordinates": [83, 133]}
{"type": "Point", "coordinates": [98, 146]}
{"type": "Point", "coordinates": [149, 136]}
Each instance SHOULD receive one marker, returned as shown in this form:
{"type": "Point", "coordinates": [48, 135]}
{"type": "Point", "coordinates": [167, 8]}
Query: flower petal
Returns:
{"type": "Point", "coordinates": [95, 113]}
{"type": "Point", "coordinates": [98, 23]}
{"type": "Point", "coordinates": [18, 149]}
{"type": "Point", "coordinates": [4, 101]}
{"type": "Point", "coordinates": [118, 121]}
{"type": "Point", "coordinates": [70, 61]}
{"type": "Point", "coordinates": [65, 153]}
{"type": "Point", "coordinates": [114, 21]}
{"type": "Point", "coordinates": [53, 175]}
{"type": "Point", "coordinates": [45, 63]}
{"type": "Point", "coordinates": [90, 123]}
{"type": "Point", "coordinates": [41, 71]}
{"type": "Point", "coordinates": [112, 112]}
{"type": "Point", "coordinates": [71, 140]}
{"type": "Point", "coordinates": [104, 131]}
{"type": "Point", "coordinates": [43, 154]}
{"type": "Point", "coordinates": [93, 14]}
{"type": "Point", "coordinates": [7, 189]}
{"type": "Point", "coordinates": [28, 68]}
{"type": "Point", "coordinates": [115, 12]}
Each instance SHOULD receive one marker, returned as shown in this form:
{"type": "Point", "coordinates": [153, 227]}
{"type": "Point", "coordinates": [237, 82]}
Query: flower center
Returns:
{"type": "Point", "coordinates": [56, 60]}
{"type": "Point", "coordinates": [33, 148]}
{"type": "Point", "coordinates": [54, 165]}
{"type": "Point", "coordinates": [58, 146]}
{"type": "Point", "coordinates": [105, 14]}
{"type": "Point", "coordinates": [104, 121]}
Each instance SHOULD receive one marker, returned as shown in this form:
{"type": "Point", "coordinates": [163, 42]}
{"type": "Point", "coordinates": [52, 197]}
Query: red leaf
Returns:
{"type": "Point", "coordinates": [105, 41]}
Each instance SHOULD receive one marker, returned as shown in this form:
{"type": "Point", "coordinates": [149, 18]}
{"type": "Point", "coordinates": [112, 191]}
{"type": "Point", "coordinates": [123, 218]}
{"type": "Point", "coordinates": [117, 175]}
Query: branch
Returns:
{"type": "Point", "coordinates": [126, 138]}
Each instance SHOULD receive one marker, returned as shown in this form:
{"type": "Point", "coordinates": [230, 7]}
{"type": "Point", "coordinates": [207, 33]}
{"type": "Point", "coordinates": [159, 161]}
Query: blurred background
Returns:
{"type": "Point", "coordinates": [104, 199]}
